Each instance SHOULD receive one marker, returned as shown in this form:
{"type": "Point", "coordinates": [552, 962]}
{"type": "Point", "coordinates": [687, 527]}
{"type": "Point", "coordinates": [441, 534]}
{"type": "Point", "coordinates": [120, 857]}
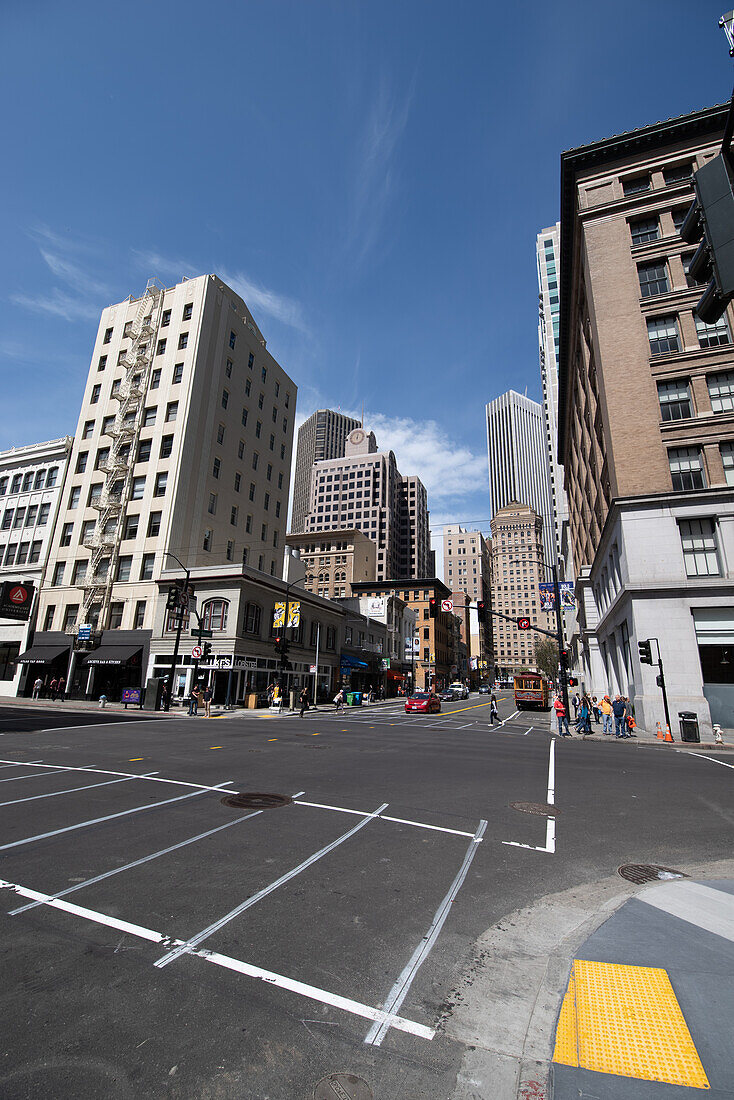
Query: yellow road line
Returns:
{"type": "Point", "coordinates": [475, 707]}
{"type": "Point", "coordinates": [272, 738]}
{"type": "Point", "coordinates": [216, 746]}
{"type": "Point", "coordinates": [133, 759]}
{"type": "Point", "coordinates": [626, 1020]}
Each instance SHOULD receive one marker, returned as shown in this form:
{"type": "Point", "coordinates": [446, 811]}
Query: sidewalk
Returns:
{"type": "Point", "coordinates": [84, 706]}
{"type": "Point", "coordinates": [643, 738]}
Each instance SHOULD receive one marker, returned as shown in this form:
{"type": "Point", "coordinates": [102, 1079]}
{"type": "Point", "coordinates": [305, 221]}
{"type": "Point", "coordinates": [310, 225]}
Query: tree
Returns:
{"type": "Point", "coordinates": [546, 657]}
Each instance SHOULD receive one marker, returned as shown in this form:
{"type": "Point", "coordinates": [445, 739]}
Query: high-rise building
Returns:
{"type": "Point", "coordinates": [323, 435]}
{"type": "Point", "coordinates": [518, 567]}
{"type": "Point", "coordinates": [365, 490]}
{"type": "Point", "coordinates": [518, 467]}
{"type": "Point", "coordinates": [183, 447]}
{"type": "Point", "coordinates": [31, 481]}
{"type": "Point", "coordinates": [334, 560]}
{"type": "Point", "coordinates": [467, 567]}
{"type": "Point", "coordinates": [646, 424]}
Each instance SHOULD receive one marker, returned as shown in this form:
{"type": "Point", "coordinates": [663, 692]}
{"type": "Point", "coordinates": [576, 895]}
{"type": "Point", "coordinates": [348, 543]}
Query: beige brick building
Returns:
{"type": "Point", "coordinates": [646, 422]}
{"type": "Point", "coordinates": [334, 559]}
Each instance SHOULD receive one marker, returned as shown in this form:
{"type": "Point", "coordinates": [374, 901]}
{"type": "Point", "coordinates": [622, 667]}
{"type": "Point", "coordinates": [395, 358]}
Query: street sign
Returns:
{"type": "Point", "coordinates": [312, 669]}
{"type": "Point", "coordinates": [196, 652]}
{"type": "Point", "coordinates": [85, 632]}
{"type": "Point", "coordinates": [447, 605]}
{"type": "Point", "coordinates": [201, 633]}
{"type": "Point", "coordinates": [15, 601]}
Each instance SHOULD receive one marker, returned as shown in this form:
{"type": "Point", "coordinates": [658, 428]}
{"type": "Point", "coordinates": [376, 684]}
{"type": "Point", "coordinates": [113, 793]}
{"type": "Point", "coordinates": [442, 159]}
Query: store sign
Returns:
{"type": "Point", "coordinates": [84, 632]}
{"type": "Point", "coordinates": [227, 663]}
{"type": "Point", "coordinates": [15, 601]}
{"type": "Point", "coordinates": [376, 605]}
{"type": "Point", "coordinates": [385, 663]}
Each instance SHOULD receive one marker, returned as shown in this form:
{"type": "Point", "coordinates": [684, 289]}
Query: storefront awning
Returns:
{"type": "Point", "coordinates": [347, 661]}
{"type": "Point", "coordinates": [112, 655]}
{"type": "Point", "coordinates": [41, 654]}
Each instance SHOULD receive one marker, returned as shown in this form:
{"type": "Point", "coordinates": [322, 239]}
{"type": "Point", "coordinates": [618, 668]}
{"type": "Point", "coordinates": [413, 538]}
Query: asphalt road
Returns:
{"type": "Point", "coordinates": [366, 912]}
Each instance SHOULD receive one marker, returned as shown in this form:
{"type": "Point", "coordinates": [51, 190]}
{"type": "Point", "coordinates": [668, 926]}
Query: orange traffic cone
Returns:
{"type": "Point", "coordinates": [668, 734]}
{"type": "Point", "coordinates": [660, 732]}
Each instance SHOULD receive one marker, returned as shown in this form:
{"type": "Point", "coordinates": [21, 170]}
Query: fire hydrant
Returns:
{"type": "Point", "coordinates": [102, 702]}
{"type": "Point", "coordinates": [717, 734]}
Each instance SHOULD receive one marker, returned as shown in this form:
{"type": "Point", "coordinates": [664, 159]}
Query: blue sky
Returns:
{"type": "Point", "coordinates": [369, 176]}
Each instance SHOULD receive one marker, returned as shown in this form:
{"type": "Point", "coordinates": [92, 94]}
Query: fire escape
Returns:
{"type": "Point", "coordinates": [111, 502]}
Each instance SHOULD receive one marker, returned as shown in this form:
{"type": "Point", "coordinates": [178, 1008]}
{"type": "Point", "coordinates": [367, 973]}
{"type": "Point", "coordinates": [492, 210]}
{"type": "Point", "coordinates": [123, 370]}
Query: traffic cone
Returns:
{"type": "Point", "coordinates": [668, 734]}
{"type": "Point", "coordinates": [660, 734]}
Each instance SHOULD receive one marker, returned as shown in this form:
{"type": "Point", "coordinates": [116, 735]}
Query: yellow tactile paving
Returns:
{"type": "Point", "coordinates": [626, 1020]}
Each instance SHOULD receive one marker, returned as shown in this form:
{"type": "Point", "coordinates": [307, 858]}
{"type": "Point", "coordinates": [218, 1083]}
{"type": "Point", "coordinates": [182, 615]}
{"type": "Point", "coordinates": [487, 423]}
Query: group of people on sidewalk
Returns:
{"type": "Point", "coordinates": [56, 689]}
{"type": "Point", "coordinates": [617, 718]}
{"type": "Point", "coordinates": [200, 697]}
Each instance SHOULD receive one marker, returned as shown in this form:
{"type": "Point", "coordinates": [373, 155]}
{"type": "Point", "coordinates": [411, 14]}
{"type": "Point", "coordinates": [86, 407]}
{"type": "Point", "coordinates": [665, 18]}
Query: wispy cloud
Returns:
{"type": "Point", "coordinates": [59, 304]}
{"type": "Point", "coordinates": [376, 174]}
{"type": "Point", "coordinates": [258, 297]}
{"type": "Point", "coordinates": [70, 262]}
{"type": "Point", "coordinates": [157, 264]}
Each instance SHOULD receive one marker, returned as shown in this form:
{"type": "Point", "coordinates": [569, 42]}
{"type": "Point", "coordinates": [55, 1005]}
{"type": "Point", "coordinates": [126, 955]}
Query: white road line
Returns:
{"type": "Point", "coordinates": [70, 790]}
{"type": "Point", "coordinates": [97, 725]}
{"type": "Point", "coordinates": [527, 731]}
{"type": "Point", "coordinates": [711, 758]}
{"type": "Point", "coordinates": [509, 716]}
{"type": "Point", "coordinates": [702, 906]}
{"type": "Point", "coordinates": [550, 827]}
{"type": "Point", "coordinates": [280, 980]}
{"type": "Point", "coordinates": [30, 775]}
{"type": "Point", "coordinates": [110, 817]}
{"type": "Point", "coordinates": [399, 991]}
{"type": "Point", "coordinates": [194, 941]}
{"type": "Point", "coordinates": [25, 762]}
{"type": "Point", "coordinates": [383, 817]}
{"type": "Point", "coordinates": [130, 775]}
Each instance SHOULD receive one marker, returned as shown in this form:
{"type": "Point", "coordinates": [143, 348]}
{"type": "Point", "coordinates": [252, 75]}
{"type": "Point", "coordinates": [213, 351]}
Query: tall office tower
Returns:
{"type": "Point", "coordinates": [183, 447]}
{"type": "Point", "coordinates": [518, 565]}
{"type": "Point", "coordinates": [518, 468]}
{"type": "Point", "coordinates": [31, 482]}
{"type": "Point", "coordinates": [323, 435]}
{"type": "Point", "coordinates": [467, 567]}
{"type": "Point", "coordinates": [365, 490]}
{"type": "Point", "coordinates": [646, 423]}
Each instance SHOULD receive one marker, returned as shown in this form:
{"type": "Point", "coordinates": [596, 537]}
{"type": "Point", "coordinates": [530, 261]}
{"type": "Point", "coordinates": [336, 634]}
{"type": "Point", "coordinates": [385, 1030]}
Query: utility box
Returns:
{"type": "Point", "coordinates": [154, 693]}
{"type": "Point", "coordinates": [688, 721]}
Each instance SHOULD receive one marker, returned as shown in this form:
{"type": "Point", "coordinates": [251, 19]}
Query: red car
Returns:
{"type": "Point", "coordinates": [424, 701]}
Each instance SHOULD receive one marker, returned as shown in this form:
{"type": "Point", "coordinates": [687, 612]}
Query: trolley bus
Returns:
{"type": "Point", "coordinates": [531, 690]}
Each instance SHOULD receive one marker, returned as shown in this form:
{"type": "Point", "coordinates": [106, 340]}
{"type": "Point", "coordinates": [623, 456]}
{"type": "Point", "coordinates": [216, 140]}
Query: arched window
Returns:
{"type": "Point", "coordinates": [214, 616]}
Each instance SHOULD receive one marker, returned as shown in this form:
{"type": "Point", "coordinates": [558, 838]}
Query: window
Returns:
{"type": "Point", "coordinates": [35, 554]}
{"type": "Point", "coordinates": [261, 400]}
{"type": "Point", "coordinates": [644, 230]}
{"type": "Point", "coordinates": [107, 336]}
{"type": "Point", "coordinates": [154, 524]}
{"type": "Point", "coordinates": [88, 429]}
{"type": "Point", "coordinates": [252, 490]}
{"type": "Point", "coordinates": [686, 468]}
{"type": "Point", "coordinates": [155, 378]}
{"type": "Point", "coordinates": [124, 565]}
{"type": "Point", "coordinates": [230, 550]}
{"type": "Point", "coordinates": [636, 185]}
{"type": "Point", "coordinates": [248, 525]}
{"type": "Point", "coordinates": [207, 541]}
{"type": "Point", "coordinates": [237, 482]}
{"type": "Point", "coordinates": [663, 334]}
{"type": "Point", "coordinates": [144, 449]}
{"type": "Point", "coordinates": [700, 553]}
{"type": "Point", "coordinates": [653, 278]}
{"type": "Point", "coordinates": [253, 614]}
{"type": "Point", "coordinates": [70, 616]}
{"type": "Point", "coordinates": [177, 373]}
{"type": "Point", "coordinates": [712, 336]}
{"type": "Point", "coordinates": [171, 411]}
{"type": "Point", "coordinates": [241, 450]}
{"type": "Point", "coordinates": [686, 261]}
{"type": "Point", "coordinates": [139, 620]}
{"type": "Point", "coordinates": [675, 399]}
{"type": "Point", "coordinates": [282, 452]}
{"type": "Point", "coordinates": [212, 508]}
{"type": "Point", "coordinates": [287, 400]}
{"type": "Point", "coordinates": [79, 572]}
{"type": "Point", "coordinates": [116, 610]}
{"type": "Point", "coordinates": [146, 568]}
{"type": "Point", "coordinates": [248, 387]}
{"type": "Point", "coordinates": [727, 458]}
{"type": "Point", "coordinates": [214, 615]}
{"type": "Point", "coordinates": [161, 347]}
{"type": "Point", "coordinates": [233, 516]}
{"type": "Point", "coordinates": [277, 509]}
{"type": "Point", "coordinates": [721, 391]}
{"type": "Point", "coordinates": [679, 216]}
{"type": "Point", "coordinates": [244, 424]}
{"type": "Point", "coordinates": [73, 497]}
{"type": "Point", "coordinates": [48, 622]}
{"type": "Point", "coordinates": [251, 360]}
{"type": "Point", "coordinates": [272, 442]}
{"type": "Point", "coordinates": [187, 311]}
{"type": "Point", "coordinates": [232, 339]}
{"type": "Point", "coordinates": [149, 417]}
{"type": "Point", "coordinates": [107, 424]}
{"type": "Point", "coordinates": [264, 532]}
{"type": "Point", "coordinates": [166, 446]}
{"type": "Point", "coordinates": [161, 481]}
{"type": "Point", "coordinates": [220, 434]}
{"type": "Point", "coordinates": [183, 341]}
{"type": "Point", "coordinates": [131, 527]}
{"type": "Point", "coordinates": [138, 488]}
{"type": "Point", "coordinates": [19, 517]}
{"type": "Point", "coordinates": [269, 471]}
{"type": "Point", "coordinates": [102, 362]}
{"type": "Point", "coordinates": [166, 318]}
{"type": "Point", "coordinates": [66, 533]}
{"type": "Point", "coordinates": [255, 460]}
{"type": "Point", "coordinates": [58, 574]}
{"type": "Point", "coordinates": [678, 173]}
{"type": "Point", "coordinates": [16, 484]}
{"type": "Point", "coordinates": [280, 481]}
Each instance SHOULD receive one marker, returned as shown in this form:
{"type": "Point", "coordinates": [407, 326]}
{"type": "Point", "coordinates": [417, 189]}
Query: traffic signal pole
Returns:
{"type": "Point", "coordinates": [559, 639]}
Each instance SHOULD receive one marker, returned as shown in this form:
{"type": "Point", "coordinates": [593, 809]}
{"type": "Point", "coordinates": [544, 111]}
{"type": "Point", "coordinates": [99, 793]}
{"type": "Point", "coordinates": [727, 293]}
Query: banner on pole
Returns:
{"type": "Point", "coordinates": [294, 614]}
{"type": "Point", "coordinates": [279, 614]}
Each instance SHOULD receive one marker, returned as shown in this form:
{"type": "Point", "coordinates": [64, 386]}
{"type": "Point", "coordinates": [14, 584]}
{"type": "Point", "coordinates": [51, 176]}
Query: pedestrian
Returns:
{"type": "Point", "coordinates": [271, 694]}
{"type": "Point", "coordinates": [596, 710]}
{"type": "Point", "coordinates": [37, 685]}
{"type": "Point", "coordinates": [629, 718]}
{"type": "Point", "coordinates": [619, 710]}
{"type": "Point", "coordinates": [575, 702]}
{"type": "Point", "coordinates": [193, 701]}
{"type": "Point", "coordinates": [562, 717]}
{"type": "Point", "coordinates": [584, 718]}
{"type": "Point", "coordinates": [606, 716]}
{"type": "Point", "coordinates": [62, 688]}
{"type": "Point", "coordinates": [303, 700]}
{"type": "Point", "coordinates": [381, 694]}
{"type": "Point", "coordinates": [52, 689]}
{"type": "Point", "coordinates": [493, 712]}
{"type": "Point", "coordinates": [208, 702]}
{"type": "Point", "coordinates": [339, 700]}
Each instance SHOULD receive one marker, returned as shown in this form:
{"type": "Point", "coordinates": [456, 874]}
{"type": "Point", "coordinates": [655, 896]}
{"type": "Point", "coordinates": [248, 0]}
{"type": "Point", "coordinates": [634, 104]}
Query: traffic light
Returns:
{"type": "Point", "coordinates": [572, 681]}
{"type": "Point", "coordinates": [645, 652]}
{"type": "Point", "coordinates": [523, 624]}
{"type": "Point", "coordinates": [206, 651]}
{"type": "Point", "coordinates": [710, 220]}
{"type": "Point", "coordinates": [172, 599]}
{"type": "Point", "coordinates": [481, 611]}
{"type": "Point", "coordinates": [284, 662]}
{"type": "Point", "coordinates": [277, 643]}
{"type": "Point", "coordinates": [432, 603]}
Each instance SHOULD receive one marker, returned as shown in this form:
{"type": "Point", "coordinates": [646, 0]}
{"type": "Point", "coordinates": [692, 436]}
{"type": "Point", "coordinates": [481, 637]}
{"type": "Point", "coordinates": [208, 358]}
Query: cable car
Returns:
{"type": "Point", "coordinates": [531, 690]}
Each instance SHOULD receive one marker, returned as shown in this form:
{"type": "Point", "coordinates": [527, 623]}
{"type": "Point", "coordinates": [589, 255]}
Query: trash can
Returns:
{"type": "Point", "coordinates": [688, 721]}
{"type": "Point", "coordinates": [350, 698]}
{"type": "Point", "coordinates": [357, 699]}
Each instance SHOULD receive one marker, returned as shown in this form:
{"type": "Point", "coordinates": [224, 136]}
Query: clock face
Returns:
{"type": "Point", "coordinates": [357, 436]}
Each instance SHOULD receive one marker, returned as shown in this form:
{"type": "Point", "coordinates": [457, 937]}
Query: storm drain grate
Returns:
{"type": "Point", "coordinates": [342, 1086]}
{"type": "Point", "coordinates": [543, 809]}
{"type": "Point", "coordinates": [648, 872]}
{"type": "Point", "coordinates": [255, 800]}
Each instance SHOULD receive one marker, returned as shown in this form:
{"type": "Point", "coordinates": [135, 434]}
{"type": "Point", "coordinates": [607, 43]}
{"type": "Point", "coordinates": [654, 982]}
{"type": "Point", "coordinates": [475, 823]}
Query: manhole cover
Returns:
{"type": "Point", "coordinates": [342, 1086]}
{"type": "Point", "coordinates": [255, 800]}
{"type": "Point", "coordinates": [648, 872]}
{"type": "Point", "coordinates": [545, 809]}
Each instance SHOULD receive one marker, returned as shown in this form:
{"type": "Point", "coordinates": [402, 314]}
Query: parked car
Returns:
{"type": "Point", "coordinates": [484, 689]}
{"type": "Point", "coordinates": [425, 702]}
{"type": "Point", "coordinates": [462, 691]}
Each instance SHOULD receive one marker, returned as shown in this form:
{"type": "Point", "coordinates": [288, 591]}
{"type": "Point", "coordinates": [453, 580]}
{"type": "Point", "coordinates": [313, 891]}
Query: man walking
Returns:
{"type": "Point", "coordinates": [207, 702]}
{"type": "Point", "coordinates": [493, 712]}
{"type": "Point", "coordinates": [37, 685]}
{"type": "Point", "coordinates": [562, 717]}
{"type": "Point", "coordinates": [606, 716]}
{"type": "Point", "coordinates": [52, 689]}
{"type": "Point", "coordinates": [619, 710]}
{"type": "Point", "coordinates": [303, 700]}
{"type": "Point", "coordinates": [339, 701]}
{"type": "Point", "coordinates": [193, 701]}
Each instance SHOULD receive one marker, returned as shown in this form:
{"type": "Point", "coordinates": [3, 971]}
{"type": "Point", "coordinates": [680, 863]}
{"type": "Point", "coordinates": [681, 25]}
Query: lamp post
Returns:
{"type": "Point", "coordinates": [172, 672]}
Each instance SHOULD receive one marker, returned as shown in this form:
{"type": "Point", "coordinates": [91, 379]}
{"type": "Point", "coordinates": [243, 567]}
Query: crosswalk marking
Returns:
{"type": "Point", "coordinates": [702, 906]}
